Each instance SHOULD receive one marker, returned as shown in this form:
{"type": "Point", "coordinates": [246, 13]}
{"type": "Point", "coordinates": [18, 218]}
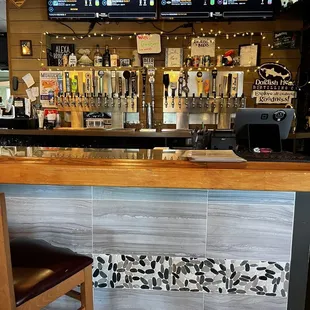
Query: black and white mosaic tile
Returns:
{"type": "Point", "coordinates": [191, 274]}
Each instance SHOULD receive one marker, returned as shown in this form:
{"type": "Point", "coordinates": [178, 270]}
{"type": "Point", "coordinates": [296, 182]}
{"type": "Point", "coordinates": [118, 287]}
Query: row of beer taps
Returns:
{"type": "Point", "coordinates": [207, 95]}
{"type": "Point", "coordinates": [95, 89]}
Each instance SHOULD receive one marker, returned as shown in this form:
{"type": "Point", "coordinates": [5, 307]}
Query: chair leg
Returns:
{"type": "Point", "coordinates": [87, 290]}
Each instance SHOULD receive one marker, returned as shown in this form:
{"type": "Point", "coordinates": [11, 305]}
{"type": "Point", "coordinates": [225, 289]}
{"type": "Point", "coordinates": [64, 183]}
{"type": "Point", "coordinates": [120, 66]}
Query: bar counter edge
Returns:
{"type": "Point", "coordinates": [267, 176]}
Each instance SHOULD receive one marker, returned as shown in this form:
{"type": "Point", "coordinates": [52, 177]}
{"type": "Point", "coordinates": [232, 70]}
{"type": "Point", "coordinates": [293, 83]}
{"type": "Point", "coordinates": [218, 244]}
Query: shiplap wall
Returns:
{"type": "Point", "coordinates": [30, 21]}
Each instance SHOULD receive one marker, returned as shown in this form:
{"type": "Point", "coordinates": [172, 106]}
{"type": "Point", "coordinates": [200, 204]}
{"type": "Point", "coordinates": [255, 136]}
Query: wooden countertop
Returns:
{"type": "Point", "coordinates": [96, 133]}
{"type": "Point", "coordinates": [114, 133]}
{"type": "Point", "coordinates": [155, 173]}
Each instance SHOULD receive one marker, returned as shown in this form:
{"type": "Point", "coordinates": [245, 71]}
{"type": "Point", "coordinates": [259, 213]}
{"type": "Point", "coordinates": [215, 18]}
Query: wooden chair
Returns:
{"type": "Point", "coordinates": [34, 273]}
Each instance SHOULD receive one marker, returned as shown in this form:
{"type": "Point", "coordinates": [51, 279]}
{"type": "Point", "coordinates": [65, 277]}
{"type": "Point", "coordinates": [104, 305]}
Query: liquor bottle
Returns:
{"type": "Point", "coordinates": [114, 59]}
{"type": "Point", "coordinates": [97, 57]}
{"type": "Point", "coordinates": [106, 57]}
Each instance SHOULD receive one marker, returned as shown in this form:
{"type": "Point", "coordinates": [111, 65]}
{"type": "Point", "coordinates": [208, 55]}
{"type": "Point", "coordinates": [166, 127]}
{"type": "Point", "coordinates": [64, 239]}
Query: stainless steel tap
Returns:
{"type": "Point", "coordinates": [193, 101]}
{"type": "Point", "coordinates": [200, 101]}
{"type": "Point", "coordinates": [106, 100]}
{"type": "Point", "coordinates": [213, 104]}
{"type": "Point", "coordinates": [186, 100]}
{"type": "Point", "coordinates": [236, 101]}
{"type": "Point", "coordinates": [207, 103]}
{"type": "Point", "coordinates": [229, 101]}
{"type": "Point", "coordinates": [243, 101]}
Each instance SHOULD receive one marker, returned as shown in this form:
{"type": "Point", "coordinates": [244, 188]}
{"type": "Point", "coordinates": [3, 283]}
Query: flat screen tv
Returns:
{"type": "Point", "coordinates": [4, 63]}
{"type": "Point", "coordinates": [67, 10]}
{"type": "Point", "coordinates": [216, 9]}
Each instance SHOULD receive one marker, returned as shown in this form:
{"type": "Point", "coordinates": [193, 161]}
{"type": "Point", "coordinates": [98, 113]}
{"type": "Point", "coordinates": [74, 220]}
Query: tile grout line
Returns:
{"type": "Point", "coordinates": [92, 220]}
{"type": "Point", "coordinates": [207, 212]}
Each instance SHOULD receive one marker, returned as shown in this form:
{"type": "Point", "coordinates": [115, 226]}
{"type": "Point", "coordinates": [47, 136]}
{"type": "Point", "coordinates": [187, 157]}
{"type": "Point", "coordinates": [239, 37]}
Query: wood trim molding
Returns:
{"type": "Point", "coordinates": [54, 293]}
{"type": "Point", "coordinates": [156, 174]}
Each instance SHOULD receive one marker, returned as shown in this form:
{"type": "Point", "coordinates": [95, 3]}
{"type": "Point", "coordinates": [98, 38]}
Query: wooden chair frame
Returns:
{"type": "Point", "coordinates": [7, 296]}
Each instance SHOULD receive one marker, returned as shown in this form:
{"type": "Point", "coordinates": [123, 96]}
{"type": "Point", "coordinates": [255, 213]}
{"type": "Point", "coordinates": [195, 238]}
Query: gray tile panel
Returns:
{"type": "Point", "coordinates": [153, 227]}
{"type": "Point", "coordinates": [143, 300]}
{"type": "Point", "coordinates": [118, 299]}
{"type": "Point", "coordinates": [237, 302]}
{"type": "Point", "coordinates": [150, 194]}
{"type": "Point", "coordinates": [62, 222]}
{"type": "Point", "coordinates": [250, 225]}
{"type": "Point", "coordinates": [46, 191]}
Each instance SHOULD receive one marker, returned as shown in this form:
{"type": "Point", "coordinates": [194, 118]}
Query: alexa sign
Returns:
{"type": "Point", "coordinates": [274, 86]}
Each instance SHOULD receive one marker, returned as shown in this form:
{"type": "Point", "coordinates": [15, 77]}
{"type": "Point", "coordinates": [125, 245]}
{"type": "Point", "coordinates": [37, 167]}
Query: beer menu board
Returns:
{"type": "Point", "coordinates": [216, 9]}
{"type": "Point", "coordinates": [102, 9]}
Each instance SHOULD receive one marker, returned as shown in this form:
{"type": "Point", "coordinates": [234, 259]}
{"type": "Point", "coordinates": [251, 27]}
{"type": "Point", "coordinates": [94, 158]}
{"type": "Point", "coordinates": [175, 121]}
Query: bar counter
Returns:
{"type": "Point", "coordinates": [180, 235]}
{"type": "Point", "coordinates": [147, 168]}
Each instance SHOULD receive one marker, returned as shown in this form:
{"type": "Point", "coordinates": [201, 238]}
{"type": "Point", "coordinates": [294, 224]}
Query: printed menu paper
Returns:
{"type": "Point", "coordinates": [203, 46]}
{"type": "Point", "coordinates": [148, 43]}
{"type": "Point", "coordinates": [28, 79]}
{"type": "Point", "coordinates": [50, 83]}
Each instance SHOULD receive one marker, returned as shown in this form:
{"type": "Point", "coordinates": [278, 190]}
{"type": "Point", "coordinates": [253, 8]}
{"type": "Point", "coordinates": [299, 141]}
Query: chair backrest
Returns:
{"type": "Point", "coordinates": [7, 297]}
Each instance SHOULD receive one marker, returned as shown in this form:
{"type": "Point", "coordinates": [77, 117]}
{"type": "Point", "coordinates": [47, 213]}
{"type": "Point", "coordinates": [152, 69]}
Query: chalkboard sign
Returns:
{"type": "Point", "coordinates": [286, 40]}
{"type": "Point", "coordinates": [58, 51]}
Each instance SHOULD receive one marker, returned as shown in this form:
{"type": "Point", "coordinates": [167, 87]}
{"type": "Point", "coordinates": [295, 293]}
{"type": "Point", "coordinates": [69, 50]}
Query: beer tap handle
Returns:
{"type": "Point", "coordinates": [152, 83]}
{"type": "Point", "coordinates": [101, 75]}
{"type": "Point", "coordinates": [120, 91]}
{"type": "Point", "coordinates": [144, 74]}
{"type": "Point", "coordinates": [166, 82]}
{"type": "Point", "coordinates": [132, 101]}
{"type": "Point", "coordinates": [126, 75]}
{"type": "Point", "coordinates": [113, 84]}
{"type": "Point", "coordinates": [214, 75]}
{"type": "Point", "coordinates": [180, 85]}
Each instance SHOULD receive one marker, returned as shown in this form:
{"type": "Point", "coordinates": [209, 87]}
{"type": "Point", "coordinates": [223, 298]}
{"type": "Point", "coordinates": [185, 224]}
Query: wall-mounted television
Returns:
{"type": "Point", "coordinates": [4, 63]}
{"type": "Point", "coordinates": [67, 10]}
{"type": "Point", "coordinates": [216, 9]}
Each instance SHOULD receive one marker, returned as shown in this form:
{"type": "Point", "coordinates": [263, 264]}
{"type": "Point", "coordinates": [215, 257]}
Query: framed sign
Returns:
{"type": "Point", "coordinates": [286, 40]}
{"type": "Point", "coordinates": [148, 43]}
{"type": "Point", "coordinates": [174, 57]}
{"type": "Point", "coordinates": [58, 51]}
{"type": "Point", "coordinates": [249, 55]}
{"type": "Point", "coordinates": [26, 47]}
{"type": "Point", "coordinates": [275, 85]}
{"type": "Point", "coordinates": [203, 47]}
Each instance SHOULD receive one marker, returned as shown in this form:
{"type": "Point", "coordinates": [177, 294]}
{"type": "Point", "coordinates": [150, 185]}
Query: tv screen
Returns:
{"type": "Point", "coordinates": [216, 9]}
{"type": "Point", "coordinates": [4, 63]}
{"type": "Point", "coordinates": [102, 9]}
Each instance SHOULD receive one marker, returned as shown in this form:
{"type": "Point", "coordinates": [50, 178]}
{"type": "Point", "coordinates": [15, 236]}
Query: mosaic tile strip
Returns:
{"type": "Point", "coordinates": [191, 274]}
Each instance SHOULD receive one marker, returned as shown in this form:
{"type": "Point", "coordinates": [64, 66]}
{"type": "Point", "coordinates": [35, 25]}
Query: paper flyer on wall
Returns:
{"type": "Point", "coordinates": [49, 84]}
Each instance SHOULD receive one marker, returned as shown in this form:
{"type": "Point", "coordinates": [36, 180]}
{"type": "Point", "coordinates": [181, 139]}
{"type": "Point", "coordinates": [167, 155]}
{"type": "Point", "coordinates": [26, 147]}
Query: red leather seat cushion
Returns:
{"type": "Point", "coordinates": [38, 266]}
